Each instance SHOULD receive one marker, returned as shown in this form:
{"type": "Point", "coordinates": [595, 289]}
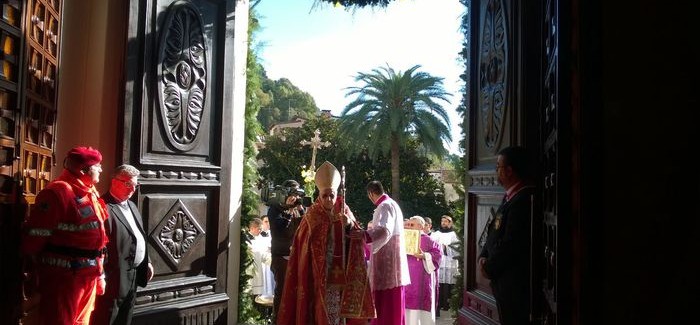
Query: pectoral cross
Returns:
{"type": "Point", "coordinates": [315, 144]}
{"type": "Point", "coordinates": [337, 272]}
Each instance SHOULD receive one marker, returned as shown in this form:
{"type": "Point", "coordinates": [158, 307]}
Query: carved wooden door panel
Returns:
{"type": "Point", "coordinates": [504, 90]}
{"type": "Point", "coordinates": [492, 119]}
{"type": "Point", "coordinates": [549, 130]}
{"type": "Point", "coordinates": [177, 79]}
{"type": "Point", "coordinates": [39, 107]}
{"type": "Point", "coordinates": [28, 82]}
{"type": "Point", "coordinates": [556, 129]}
{"type": "Point", "coordinates": [10, 215]}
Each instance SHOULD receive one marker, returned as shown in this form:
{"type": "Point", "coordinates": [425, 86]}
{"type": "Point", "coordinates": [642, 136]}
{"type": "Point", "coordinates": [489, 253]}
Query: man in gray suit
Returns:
{"type": "Point", "coordinates": [127, 261]}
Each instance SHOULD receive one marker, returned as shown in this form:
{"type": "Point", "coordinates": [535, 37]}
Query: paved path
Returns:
{"type": "Point", "coordinates": [445, 318]}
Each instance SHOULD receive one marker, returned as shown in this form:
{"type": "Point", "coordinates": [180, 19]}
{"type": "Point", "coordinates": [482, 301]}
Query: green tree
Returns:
{"type": "Point", "coordinates": [284, 157]}
{"type": "Point", "coordinates": [283, 101]}
{"type": "Point", "coordinates": [392, 108]}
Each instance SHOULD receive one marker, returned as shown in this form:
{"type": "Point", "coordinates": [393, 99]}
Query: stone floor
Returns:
{"type": "Point", "coordinates": [445, 318]}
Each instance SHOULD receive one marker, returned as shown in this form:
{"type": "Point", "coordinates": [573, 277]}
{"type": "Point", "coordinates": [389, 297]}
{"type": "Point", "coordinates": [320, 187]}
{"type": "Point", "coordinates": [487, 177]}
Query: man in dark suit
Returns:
{"type": "Point", "coordinates": [505, 258]}
{"type": "Point", "coordinates": [127, 263]}
{"type": "Point", "coordinates": [285, 217]}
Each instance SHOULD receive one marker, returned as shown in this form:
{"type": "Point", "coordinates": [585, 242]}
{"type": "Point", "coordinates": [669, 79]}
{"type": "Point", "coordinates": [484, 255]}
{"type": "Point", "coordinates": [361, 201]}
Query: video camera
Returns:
{"type": "Point", "coordinates": [278, 194]}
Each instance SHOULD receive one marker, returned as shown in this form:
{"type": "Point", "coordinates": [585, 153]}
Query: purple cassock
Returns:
{"type": "Point", "coordinates": [420, 293]}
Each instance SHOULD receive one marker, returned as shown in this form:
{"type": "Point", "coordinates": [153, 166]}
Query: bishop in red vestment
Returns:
{"type": "Point", "coordinates": [326, 283]}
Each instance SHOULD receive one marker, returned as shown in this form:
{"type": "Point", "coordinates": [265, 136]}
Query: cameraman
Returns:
{"type": "Point", "coordinates": [285, 217]}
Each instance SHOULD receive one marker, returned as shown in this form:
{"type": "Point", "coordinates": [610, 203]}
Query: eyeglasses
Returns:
{"type": "Point", "coordinates": [128, 184]}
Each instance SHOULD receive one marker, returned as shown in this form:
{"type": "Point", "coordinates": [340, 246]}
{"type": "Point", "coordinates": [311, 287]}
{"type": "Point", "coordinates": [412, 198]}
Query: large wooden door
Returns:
{"type": "Point", "coordinates": [495, 119]}
{"type": "Point", "coordinates": [515, 98]}
{"type": "Point", "coordinates": [30, 37]}
{"type": "Point", "coordinates": [179, 77]}
{"type": "Point", "coordinates": [555, 131]}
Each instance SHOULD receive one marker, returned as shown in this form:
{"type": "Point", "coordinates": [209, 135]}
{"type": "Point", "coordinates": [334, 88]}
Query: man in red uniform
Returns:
{"type": "Point", "coordinates": [65, 239]}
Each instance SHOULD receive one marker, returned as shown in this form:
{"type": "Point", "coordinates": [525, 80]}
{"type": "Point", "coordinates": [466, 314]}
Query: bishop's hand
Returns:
{"type": "Point", "coordinates": [356, 234]}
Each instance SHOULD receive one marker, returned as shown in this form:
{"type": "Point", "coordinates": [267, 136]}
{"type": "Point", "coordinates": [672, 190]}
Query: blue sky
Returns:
{"type": "Point", "coordinates": [320, 48]}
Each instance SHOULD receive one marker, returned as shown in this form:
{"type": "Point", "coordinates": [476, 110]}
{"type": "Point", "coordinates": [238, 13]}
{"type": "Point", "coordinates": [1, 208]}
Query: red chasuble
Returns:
{"type": "Point", "coordinates": [318, 270]}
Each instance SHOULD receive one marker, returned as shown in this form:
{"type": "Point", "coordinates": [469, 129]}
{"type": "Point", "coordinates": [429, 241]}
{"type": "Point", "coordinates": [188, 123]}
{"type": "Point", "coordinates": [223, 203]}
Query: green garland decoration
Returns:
{"type": "Point", "coordinates": [247, 313]}
{"type": "Point", "coordinates": [458, 293]}
{"type": "Point", "coordinates": [458, 290]}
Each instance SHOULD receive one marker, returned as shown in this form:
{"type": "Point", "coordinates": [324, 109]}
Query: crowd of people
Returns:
{"type": "Point", "coordinates": [323, 280]}
{"type": "Point", "coordinates": [331, 270]}
{"type": "Point", "coordinates": [313, 265]}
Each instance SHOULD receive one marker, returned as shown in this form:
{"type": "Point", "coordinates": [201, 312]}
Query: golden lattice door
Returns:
{"type": "Point", "coordinates": [30, 36]}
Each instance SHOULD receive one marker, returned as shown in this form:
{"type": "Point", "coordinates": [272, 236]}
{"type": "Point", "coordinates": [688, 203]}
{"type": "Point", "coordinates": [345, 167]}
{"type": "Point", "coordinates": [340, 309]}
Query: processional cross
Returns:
{"type": "Point", "coordinates": [315, 143]}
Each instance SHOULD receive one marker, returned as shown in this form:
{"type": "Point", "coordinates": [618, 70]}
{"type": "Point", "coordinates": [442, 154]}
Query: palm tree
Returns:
{"type": "Point", "coordinates": [392, 107]}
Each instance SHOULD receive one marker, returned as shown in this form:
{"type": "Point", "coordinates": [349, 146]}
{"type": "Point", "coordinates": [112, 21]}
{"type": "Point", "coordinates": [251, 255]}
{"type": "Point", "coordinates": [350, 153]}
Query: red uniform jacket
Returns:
{"type": "Point", "coordinates": [65, 229]}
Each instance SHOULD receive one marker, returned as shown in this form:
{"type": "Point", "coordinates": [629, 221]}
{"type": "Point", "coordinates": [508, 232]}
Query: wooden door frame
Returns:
{"type": "Point", "coordinates": [527, 45]}
{"type": "Point", "coordinates": [230, 108]}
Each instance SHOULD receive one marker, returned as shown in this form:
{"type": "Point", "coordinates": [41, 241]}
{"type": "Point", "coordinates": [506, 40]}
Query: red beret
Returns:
{"type": "Point", "coordinates": [86, 156]}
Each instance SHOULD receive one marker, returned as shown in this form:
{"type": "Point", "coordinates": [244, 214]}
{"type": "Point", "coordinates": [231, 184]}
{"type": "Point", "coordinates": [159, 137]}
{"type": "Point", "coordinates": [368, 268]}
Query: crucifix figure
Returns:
{"type": "Point", "coordinates": [315, 143]}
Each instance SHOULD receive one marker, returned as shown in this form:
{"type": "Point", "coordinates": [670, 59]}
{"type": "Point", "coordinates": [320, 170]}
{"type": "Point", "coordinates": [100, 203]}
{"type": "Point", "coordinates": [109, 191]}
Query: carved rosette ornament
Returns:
{"type": "Point", "coordinates": [177, 233]}
{"type": "Point", "coordinates": [493, 72]}
{"type": "Point", "coordinates": [183, 73]}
